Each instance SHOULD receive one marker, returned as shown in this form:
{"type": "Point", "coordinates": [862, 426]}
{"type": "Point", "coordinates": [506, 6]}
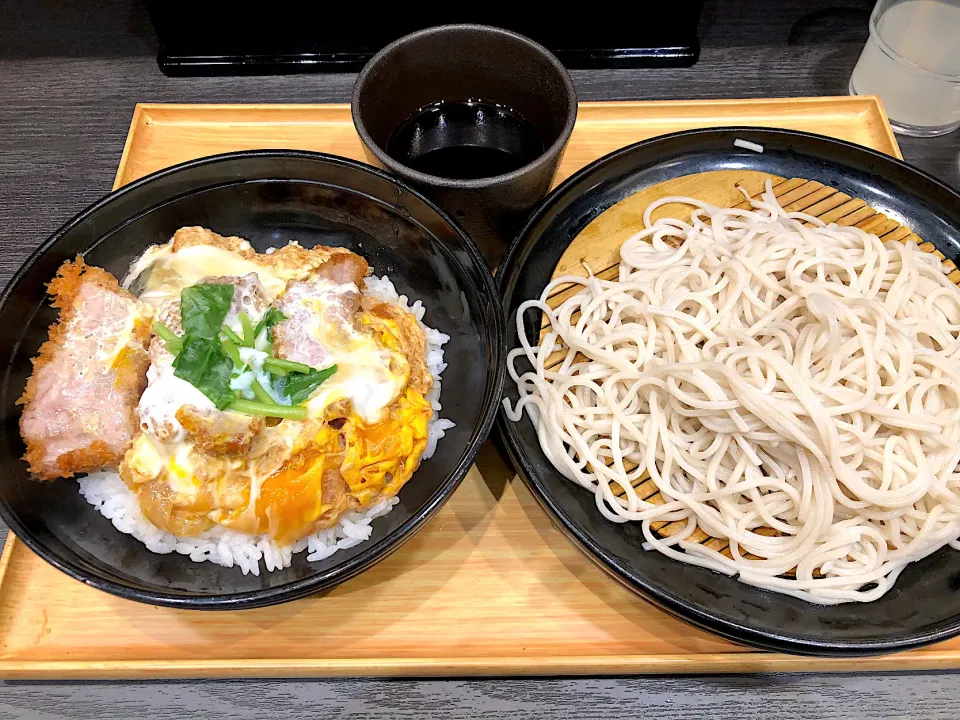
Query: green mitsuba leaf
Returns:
{"type": "Point", "coordinates": [300, 386]}
{"type": "Point", "coordinates": [203, 363]}
{"type": "Point", "coordinates": [270, 318]}
{"type": "Point", "coordinates": [203, 308]}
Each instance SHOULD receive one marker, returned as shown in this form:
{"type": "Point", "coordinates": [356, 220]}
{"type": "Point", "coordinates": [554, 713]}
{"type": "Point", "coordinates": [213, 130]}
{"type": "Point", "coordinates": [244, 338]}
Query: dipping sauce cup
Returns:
{"type": "Point", "coordinates": [487, 73]}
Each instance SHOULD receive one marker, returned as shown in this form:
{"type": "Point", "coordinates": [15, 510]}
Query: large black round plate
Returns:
{"type": "Point", "coordinates": [269, 198]}
{"type": "Point", "coordinates": [924, 605]}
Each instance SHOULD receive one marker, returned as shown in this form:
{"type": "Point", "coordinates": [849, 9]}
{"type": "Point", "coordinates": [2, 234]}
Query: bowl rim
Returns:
{"type": "Point", "coordinates": [407, 172]}
{"type": "Point", "coordinates": [648, 589]}
{"type": "Point", "coordinates": [321, 580]}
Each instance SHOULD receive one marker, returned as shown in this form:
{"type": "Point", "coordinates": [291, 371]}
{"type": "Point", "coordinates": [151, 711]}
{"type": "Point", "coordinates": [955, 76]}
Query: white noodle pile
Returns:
{"type": "Point", "coordinates": [765, 374]}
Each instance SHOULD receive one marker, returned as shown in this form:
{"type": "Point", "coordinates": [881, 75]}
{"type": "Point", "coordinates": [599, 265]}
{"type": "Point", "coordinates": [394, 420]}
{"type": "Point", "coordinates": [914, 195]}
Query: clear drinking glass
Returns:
{"type": "Point", "coordinates": [912, 61]}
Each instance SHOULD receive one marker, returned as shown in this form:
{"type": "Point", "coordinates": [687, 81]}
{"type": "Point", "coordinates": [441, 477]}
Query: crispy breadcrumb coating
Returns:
{"type": "Point", "coordinates": [80, 401]}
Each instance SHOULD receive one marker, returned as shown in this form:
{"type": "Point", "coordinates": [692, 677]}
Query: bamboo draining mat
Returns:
{"type": "Point", "coordinates": [488, 586]}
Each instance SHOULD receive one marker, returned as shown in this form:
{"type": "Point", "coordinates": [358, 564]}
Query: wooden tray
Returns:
{"type": "Point", "coordinates": [488, 587]}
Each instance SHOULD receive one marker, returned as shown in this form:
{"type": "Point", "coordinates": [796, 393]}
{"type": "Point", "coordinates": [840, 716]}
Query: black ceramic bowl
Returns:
{"type": "Point", "coordinates": [268, 197]}
{"type": "Point", "coordinates": [924, 605]}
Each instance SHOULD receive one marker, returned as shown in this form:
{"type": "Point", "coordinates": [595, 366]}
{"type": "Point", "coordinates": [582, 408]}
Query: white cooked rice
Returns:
{"type": "Point", "coordinates": [116, 502]}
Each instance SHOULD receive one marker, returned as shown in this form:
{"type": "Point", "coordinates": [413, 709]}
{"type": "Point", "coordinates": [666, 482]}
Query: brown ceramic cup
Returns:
{"type": "Point", "coordinates": [459, 63]}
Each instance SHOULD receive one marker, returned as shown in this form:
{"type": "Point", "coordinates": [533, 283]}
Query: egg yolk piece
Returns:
{"type": "Point", "coordinates": [292, 501]}
{"type": "Point", "coordinates": [358, 463]}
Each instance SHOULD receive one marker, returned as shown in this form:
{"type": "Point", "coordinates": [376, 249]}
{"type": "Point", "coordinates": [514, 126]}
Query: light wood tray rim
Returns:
{"type": "Point", "coordinates": [671, 648]}
{"type": "Point", "coordinates": [471, 666]}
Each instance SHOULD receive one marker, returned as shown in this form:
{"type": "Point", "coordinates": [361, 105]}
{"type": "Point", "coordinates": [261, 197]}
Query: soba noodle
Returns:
{"type": "Point", "coordinates": [788, 386]}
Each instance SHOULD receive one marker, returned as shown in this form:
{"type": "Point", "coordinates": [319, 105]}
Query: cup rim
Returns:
{"type": "Point", "coordinates": [422, 178]}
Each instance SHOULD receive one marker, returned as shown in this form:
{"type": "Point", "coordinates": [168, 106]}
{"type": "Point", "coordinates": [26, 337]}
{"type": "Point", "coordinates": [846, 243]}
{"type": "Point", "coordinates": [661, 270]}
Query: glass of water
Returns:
{"type": "Point", "coordinates": [912, 61]}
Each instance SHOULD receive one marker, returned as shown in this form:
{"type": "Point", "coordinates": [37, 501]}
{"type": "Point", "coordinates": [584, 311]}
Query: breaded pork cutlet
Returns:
{"type": "Point", "coordinates": [81, 399]}
{"type": "Point", "coordinates": [301, 261]}
{"type": "Point", "coordinates": [336, 284]}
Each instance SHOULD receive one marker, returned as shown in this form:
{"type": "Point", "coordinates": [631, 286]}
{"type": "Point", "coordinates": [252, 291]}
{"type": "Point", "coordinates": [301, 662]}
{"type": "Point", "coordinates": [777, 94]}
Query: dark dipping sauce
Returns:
{"type": "Point", "coordinates": [465, 140]}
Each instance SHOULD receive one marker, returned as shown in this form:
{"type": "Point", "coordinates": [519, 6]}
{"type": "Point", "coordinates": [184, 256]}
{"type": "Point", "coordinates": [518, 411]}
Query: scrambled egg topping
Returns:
{"type": "Point", "coordinates": [291, 478]}
{"type": "Point", "coordinates": [374, 461]}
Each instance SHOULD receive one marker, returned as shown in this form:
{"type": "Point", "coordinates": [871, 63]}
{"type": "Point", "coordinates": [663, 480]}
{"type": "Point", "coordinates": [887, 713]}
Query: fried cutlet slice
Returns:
{"type": "Point", "coordinates": [218, 432]}
{"type": "Point", "coordinates": [323, 315]}
{"type": "Point", "coordinates": [343, 268]}
{"type": "Point", "coordinates": [195, 235]}
{"type": "Point", "coordinates": [393, 319]}
{"type": "Point", "coordinates": [324, 305]}
{"type": "Point", "coordinates": [292, 260]}
{"type": "Point", "coordinates": [320, 318]}
{"type": "Point", "coordinates": [80, 402]}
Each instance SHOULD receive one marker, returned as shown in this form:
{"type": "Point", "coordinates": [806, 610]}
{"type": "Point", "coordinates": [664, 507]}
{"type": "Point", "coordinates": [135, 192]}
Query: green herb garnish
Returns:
{"type": "Point", "coordinates": [208, 353]}
{"type": "Point", "coordinates": [248, 336]}
{"type": "Point", "coordinates": [170, 339]}
{"type": "Point", "coordinates": [262, 395]}
{"type": "Point", "coordinates": [271, 409]}
{"type": "Point", "coordinates": [203, 309]}
{"type": "Point", "coordinates": [230, 348]}
{"type": "Point", "coordinates": [231, 335]}
{"type": "Point", "coordinates": [273, 364]}
{"type": "Point", "coordinates": [270, 318]}
{"type": "Point", "coordinates": [300, 386]}
{"type": "Point", "coordinates": [203, 363]}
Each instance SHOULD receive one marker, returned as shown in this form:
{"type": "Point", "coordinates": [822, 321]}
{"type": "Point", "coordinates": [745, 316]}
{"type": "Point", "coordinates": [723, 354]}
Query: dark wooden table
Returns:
{"type": "Point", "coordinates": [69, 80]}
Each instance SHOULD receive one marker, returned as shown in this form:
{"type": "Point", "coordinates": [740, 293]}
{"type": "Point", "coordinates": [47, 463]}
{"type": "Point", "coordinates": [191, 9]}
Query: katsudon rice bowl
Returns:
{"type": "Point", "coordinates": [197, 467]}
{"type": "Point", "coordinates": [233, 406]}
